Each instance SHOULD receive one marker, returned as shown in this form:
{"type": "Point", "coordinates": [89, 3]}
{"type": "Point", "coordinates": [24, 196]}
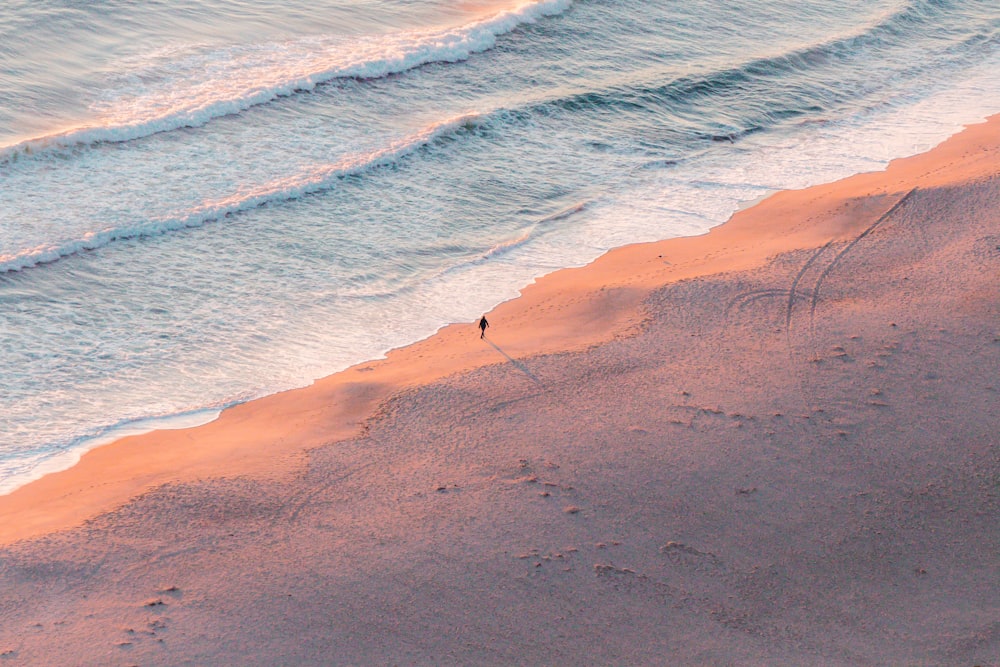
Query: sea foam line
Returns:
{"type": "Point", "coordinates": [309, 181]}
{"type": "Point", "coordinates": [688, 92]}
{"type": "Point", "coordinates": [196, 89]}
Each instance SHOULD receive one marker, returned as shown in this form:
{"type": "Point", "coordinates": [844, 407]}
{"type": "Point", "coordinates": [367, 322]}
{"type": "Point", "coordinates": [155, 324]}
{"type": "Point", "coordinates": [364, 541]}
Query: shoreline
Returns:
{"type": "Point", "coordinates": [569, 310]}
{"type": "Point", "coordinates": [785, 451]}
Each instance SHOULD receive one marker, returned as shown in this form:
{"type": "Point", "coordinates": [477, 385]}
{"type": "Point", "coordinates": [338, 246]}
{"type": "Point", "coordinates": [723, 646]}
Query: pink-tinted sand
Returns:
{"type": "Point", "coordinates": [776, 443]}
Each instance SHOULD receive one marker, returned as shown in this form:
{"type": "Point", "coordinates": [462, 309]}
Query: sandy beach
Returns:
{"type": "Point", "coordinates": [774, 444]}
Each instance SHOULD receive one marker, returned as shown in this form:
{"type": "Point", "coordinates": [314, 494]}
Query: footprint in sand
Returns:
{"type": "Point", "coordinates": [682, 555]}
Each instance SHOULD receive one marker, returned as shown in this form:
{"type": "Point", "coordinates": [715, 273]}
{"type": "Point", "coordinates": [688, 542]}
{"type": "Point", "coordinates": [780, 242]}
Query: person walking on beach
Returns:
{"type": "Point", "coordinates": [482, 326]}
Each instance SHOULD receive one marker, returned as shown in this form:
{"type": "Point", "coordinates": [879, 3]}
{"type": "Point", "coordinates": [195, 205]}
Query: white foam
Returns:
{"type": "Point", "coordinates": [314, 179]}
{"type": "Point", "coordinates": [198, 88]}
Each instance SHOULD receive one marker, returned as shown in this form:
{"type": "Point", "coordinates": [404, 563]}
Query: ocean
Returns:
{"type": "Point", "coordinates": [207, 201]}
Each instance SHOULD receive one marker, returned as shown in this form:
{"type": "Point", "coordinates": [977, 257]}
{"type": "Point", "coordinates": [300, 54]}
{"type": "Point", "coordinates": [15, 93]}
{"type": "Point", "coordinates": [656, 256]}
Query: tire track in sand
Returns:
{"type": "Point", "coordinates": [843, 253]}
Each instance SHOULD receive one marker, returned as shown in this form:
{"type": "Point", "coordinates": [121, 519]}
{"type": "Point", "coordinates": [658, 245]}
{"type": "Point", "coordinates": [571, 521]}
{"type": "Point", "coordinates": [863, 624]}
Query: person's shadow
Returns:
{"type": "Point", "coordinates": [521, 367]}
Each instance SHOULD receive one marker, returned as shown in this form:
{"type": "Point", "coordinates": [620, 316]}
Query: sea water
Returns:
{"type": "Point", "coordinates": [206, 201]}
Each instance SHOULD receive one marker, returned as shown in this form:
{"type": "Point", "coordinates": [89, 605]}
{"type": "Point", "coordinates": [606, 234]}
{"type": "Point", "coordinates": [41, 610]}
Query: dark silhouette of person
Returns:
{"type": "Point", "coordinates": [482, 326]}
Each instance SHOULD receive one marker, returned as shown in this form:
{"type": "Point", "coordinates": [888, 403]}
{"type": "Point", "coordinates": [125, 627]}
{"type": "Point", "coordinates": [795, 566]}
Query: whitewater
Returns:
{"type": "Point", "coordinates": [206, 202]}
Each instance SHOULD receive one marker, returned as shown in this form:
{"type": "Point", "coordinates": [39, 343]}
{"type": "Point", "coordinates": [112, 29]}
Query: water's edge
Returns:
{"type": "Point", "coordinates": [201, 416]}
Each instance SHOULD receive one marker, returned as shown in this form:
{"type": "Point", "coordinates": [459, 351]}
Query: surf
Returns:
{"type": "Point", "coordinates": [192, 90]}
{"type": "Point", "coordinates": [810, 77]}
{"type": "Point", "coordinates": [315, 179]}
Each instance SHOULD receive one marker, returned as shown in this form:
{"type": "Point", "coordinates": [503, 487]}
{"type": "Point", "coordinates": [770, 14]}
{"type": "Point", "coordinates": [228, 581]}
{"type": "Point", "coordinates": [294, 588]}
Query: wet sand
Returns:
{"type": "Point", "coordinates": [776, 443]}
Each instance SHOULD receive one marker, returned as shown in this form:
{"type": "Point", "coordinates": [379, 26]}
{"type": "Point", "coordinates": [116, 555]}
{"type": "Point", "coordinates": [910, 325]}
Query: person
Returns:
{"type": "Point", "coordinates": [482, 326]}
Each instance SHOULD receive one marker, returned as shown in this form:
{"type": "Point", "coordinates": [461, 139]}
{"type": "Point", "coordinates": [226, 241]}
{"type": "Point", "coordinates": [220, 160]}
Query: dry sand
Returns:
{"type": "Point", "coordinates": [775, 444]}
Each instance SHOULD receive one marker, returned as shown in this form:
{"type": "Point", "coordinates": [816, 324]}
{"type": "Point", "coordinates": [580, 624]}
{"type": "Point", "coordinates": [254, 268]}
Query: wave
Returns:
{"type": "Point", "coordinates": [504, 247]}
{"type": "Point", "coordinates": [522, 239]}
{"type": "Point", "coordinates": [803, 91]}
{"type": "Point", "coordinates": [193, 90]}
{"type": "Point", "coordinates": [566, 212]}
{"type": "Point", "coordinates": [313, 180]}
{"type": "Point", "coordinates": [528, 235]}
{"type": "Point", "coordinates": [477, 258]}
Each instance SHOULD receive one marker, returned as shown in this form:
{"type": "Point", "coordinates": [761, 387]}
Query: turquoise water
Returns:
{"type": "Point", "coordinates": [205, 202]}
